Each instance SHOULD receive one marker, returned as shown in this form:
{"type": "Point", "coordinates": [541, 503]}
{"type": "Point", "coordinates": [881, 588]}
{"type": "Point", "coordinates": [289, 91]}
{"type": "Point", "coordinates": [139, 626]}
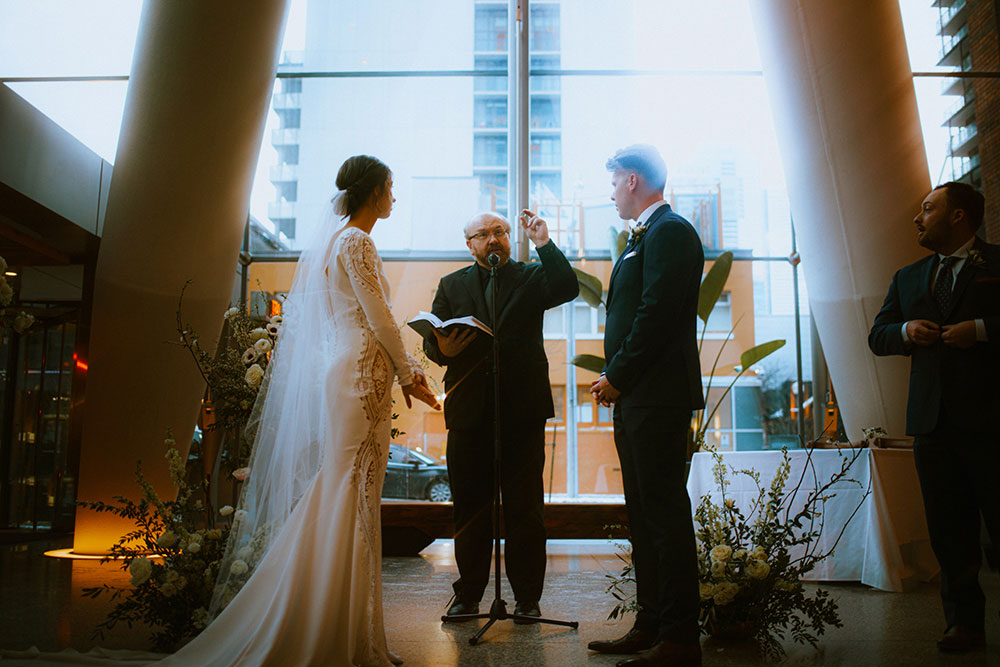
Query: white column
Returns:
{"type": "Point", "coordinates": [194, 115]}
{"type": "Point", "coordinates": [841, 93]}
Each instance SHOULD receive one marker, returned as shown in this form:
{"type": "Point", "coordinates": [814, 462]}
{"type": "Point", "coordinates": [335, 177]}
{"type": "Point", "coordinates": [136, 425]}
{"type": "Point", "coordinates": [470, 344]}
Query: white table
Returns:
{"type": "Point", "coordinates": [886, 544]}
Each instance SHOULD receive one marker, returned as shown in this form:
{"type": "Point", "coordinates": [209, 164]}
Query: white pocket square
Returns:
{"type": "Point", "coordinates": [631, 254]}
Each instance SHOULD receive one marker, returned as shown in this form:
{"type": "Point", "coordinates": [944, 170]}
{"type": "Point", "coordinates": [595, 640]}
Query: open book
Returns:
{"type": "Point", "coordinates": [425, 324]}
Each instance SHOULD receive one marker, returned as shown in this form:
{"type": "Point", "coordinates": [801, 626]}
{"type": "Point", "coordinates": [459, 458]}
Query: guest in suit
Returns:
{"type": "Point", "coordinates": [525, 291]}
{"type": "Point", "coordinates": [944, 313]}
{"type": "Point", "coordinates": [653, 378]}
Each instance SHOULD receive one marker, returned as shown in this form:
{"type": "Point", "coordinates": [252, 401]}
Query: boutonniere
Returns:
{"type": "Point", "coordinates": [637, 233]}
{"type": "Point", "coordinates": [975, 258]}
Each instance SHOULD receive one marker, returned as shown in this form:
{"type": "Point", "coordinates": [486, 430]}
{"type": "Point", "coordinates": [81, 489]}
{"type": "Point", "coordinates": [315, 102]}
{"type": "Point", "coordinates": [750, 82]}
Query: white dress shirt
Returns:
{"type": "Point", "coordinates": [648, 213]}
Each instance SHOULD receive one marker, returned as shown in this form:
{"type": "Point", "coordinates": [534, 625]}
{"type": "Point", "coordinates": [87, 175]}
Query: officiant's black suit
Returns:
{"type": "Point", "coordinates": [525, 292]}
{"type": "Point", "coordinates": [651, 350]}
{"type": "Point", "coordinates": [953, 412]}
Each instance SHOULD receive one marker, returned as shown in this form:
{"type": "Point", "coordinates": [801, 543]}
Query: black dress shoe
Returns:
{"type": "Point", "coordinates": [961, 639]}
{"type": "Point", "coordinates": [526, 609]}
{"type": "Point", "coordinates": [462, 608]}
{"type": "Point", "coordinates": [666, 654]}
{"type": "Point", "coordinates": [631, 642]}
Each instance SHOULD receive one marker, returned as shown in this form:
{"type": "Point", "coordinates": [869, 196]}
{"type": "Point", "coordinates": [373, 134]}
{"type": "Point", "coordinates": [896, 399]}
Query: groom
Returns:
{"type": "Point", "coordinates": [653, 378]}
{"type": "Point", "coordinates": [525, 291]}
{"type": "Point", "coordinates": [943, 311]}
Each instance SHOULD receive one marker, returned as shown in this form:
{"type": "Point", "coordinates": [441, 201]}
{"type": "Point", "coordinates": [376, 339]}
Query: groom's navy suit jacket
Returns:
{"type": "Point", "coordinates": [526, 291]}
{"type": "Point", "coordinates": [650, 338]}
{"type": "Point", "coordinates": [963, 383]}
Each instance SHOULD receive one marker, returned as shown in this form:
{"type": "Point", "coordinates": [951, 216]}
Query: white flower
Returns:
{"type": "Point", "coordinates": [140, 569]}
{"type": "Point", "coordinates": [254, 375]}
{"type": "Point", "coordinates": [238, 567]}
{"type": "Point", "coordinates": [6, 292]}
{"type": "Point", "coordinates": [226, 510]}
{"type": "Point", "coordinates": [721, 553]}
{"type": "Point", "coordinates": [706, 590]}
{"type": "Point", "coordinates": [166, 539]}
{"type": "Point", "coordinates": [273, 329]}
{"type": "Point", "coordinates": [199, 617]}
{"type": "Point", "coordinates": [740, 554]}
{"type": "Point", "coordinates": [232, 312]}
{"type": "Point", "coordinates": [240, 515]}
{"type": "Point", "coordinates": [3, 264]}
{"type": "Point", "coordinates": [241, 473]}
{"type": "Point", "coordinates": [758, 553]}
{"type": "Point", "coordinates": [168, 590]}
{"type": "Point", "coordinates": [197, 537]}
{"type": "Point", "coordinates": [718, 569]}
{"type": "Point", "coordinates": [263, 346]}
{"type": "Point", "coordinates": [193, 547]}
{"type": "Point", "coordinates": [277, 319]}
{"type": "Point", "coordinates": [257, 334]}
{"type": "Point", "coordinates": [181, 583]}
{"type": "Point", "coordinates": [758, 569]}
{"type": "Point", "coordinates": [172, 576]}
{"type": "Point", "coordinates": [249, 356]}
{"type": "Point", "coordinates": [725, 593]}
{"type": "Point", "coordinates": [244, 553]}
{"type": "Point", "coordinates": [214, 534]}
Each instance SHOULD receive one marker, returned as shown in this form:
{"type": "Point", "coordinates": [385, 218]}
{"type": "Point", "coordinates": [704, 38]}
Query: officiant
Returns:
{"type": "Point", "coordinates": [525, 292]}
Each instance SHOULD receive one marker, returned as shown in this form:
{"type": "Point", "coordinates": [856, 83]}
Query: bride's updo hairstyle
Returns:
{"type": "Point", "coordinates": [359, 178]}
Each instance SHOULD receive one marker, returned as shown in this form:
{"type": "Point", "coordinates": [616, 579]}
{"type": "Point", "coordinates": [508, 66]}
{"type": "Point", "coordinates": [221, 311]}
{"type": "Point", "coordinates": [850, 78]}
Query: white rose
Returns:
{"type": "Point", "coordinates": [740, 554]}
{"type": "Point", "coordinates": [262, 347]}
{"type": "Point", "coordinates": [277, 319]}
{"type": "Point", "coordinates": [718, 569]}
{"type": "Point", "coordinates": [199, 617]}
{"type": "Point", "coordinates": [194, 547]}
{"type": "Point", "coordinates": [197, 537]}
{"type": "Point", "coordinates": [244, 553]}
{"type": "Point", "coordinates": [240, 515]}
{"type": "Point", "coordinates": [254, 375]}
{"type": "Point", "coordinates": [172, 576]}
{"type": "Point", "coordinates": [226, 510]}
{"type": "Point", "coordinates": [238, 567]}
{"type": "Point", "coordinates": [249, 356]}
{"type": "Point", "coordinates": [22, 322]}
{"type": "Point", "coordinates": [721, 553]}
{"type": "Point", "coordinates": [140, 569]}
{"type": "Point", "coordinates": [273, 329]}
{"type": "Point", "coordinates": [241, 474]}
{"type": "Point", "coordinates": [257, 334]}
{"type": "Point", "coordinates": [214, 534]}
{"type": "Point", "coordinates": [726, 593]}
{"type": "Point", "coordinates": [6, 292]}
{"type": "Point", "coordinates": [706, 590]}
{"type": "Point", "coordinates": [232, 312]}
{"type": "Point", "coordinates": [181, 583]}
{"type": "Point", "coordinates": [758, 569]}
{"type": "Point", "coordinates": [166, 539]}
{"type": "Point", "coordinates": [168, 590]}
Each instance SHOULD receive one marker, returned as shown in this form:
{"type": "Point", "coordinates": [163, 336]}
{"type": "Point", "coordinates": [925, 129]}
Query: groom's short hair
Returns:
{"type": "Point", "coordinates": [964, 196]}
{"type": "Point", "coordinates": [644, 160]}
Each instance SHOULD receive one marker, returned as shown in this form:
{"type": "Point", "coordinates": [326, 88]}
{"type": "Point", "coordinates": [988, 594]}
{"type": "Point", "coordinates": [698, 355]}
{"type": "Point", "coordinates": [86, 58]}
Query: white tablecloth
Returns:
{"type": "Point", "coordinates": [885, 545]}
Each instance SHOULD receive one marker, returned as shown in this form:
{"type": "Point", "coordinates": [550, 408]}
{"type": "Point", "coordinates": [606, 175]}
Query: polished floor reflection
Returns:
{"type": "Point", "coordinates": [41, 605]}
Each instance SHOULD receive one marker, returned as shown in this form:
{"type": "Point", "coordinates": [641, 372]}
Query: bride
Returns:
{"type": "Point", "coordinates": [301, 582]}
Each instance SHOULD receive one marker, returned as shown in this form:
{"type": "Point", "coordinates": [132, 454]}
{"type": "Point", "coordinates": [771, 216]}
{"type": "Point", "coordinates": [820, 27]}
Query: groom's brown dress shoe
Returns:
{"type": "Point", "coordinates": [632, 642]}
{"type": "Point", "coordinates": [961, 639]}
{"type": "Point", "coordinates": [666, 654]}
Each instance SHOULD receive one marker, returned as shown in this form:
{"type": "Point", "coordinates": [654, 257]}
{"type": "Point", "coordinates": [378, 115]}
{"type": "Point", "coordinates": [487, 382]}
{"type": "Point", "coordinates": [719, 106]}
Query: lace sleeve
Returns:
{"type": "Point", "coordinates": [364, 269]}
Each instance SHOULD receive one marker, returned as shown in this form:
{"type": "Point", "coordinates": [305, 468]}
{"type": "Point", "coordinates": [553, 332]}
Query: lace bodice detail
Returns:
{"type": "Point", "coordinates": [365, 295]}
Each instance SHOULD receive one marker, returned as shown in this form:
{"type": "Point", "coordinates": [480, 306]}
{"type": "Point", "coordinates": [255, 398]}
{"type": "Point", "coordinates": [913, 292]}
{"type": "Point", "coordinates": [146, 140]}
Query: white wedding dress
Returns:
{"type": "Point", "coordinates": [315, 598]}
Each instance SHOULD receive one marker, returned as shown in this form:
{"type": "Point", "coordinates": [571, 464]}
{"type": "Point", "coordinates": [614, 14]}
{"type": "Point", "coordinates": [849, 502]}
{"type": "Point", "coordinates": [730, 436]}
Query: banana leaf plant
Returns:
{"type": "Point", "coordinates": [711, 289]}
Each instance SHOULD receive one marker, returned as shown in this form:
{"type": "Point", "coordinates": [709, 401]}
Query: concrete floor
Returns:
{"type": "Point", "coordinates": [41, 605]}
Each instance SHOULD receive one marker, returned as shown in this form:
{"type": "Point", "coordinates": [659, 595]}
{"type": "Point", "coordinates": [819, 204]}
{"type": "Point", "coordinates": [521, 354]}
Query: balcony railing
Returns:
{"type": "Point", "coordinates": [278, 210]}
{"type": "Point", "coordinates": [288, 101]}
{"type": "Point", "coordinates": [285, 137]}
{"type": "Point", "coordinates": [950, 42]}
{"type": "Point", "coordinates": [283, 173]}
{"type": "Point", "coordinates": [960, 137]}
{"type": "Point", "coordinates": [948, 13]}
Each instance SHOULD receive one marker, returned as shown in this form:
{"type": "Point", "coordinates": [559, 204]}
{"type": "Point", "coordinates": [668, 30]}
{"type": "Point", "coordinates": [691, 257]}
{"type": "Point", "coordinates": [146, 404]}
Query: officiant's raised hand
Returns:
{"type": "Point", "coordinates": [534, 227]}
{"type": "Point", "coordinates": [419, 390]}
{"type": "Point", "coordinates": [453, 344]}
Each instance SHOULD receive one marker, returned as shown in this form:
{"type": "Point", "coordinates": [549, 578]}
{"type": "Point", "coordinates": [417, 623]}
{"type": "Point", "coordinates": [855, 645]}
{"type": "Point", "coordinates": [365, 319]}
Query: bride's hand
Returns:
{"type": "Point", "coordinates": [419, 390]}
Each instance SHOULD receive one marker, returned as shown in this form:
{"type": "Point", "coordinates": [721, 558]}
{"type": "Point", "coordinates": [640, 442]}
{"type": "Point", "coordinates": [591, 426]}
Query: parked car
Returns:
{"type": "Point", "coordinates": [411, 474]}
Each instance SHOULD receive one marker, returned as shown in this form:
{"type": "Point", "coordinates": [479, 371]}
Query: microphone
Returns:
{"type": "Point", "coordinates": [493, 259]}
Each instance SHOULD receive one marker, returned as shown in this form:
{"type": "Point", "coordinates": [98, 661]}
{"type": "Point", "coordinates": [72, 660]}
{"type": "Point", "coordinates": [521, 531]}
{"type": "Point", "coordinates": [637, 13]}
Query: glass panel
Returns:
{"type": "Point", "coordinates": [747, 401]}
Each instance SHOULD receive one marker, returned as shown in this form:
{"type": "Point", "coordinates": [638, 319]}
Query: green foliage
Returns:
{"type": "Point", "coordinates": [590, 362]}
{"type": "Point", "coordinates": [591, 289]}
{"type": "Point", "coordinates": [619, 241]}
{"type": "Point", "coordinates": [713, 284]}
{"type": "Point", "coordinates": [172, 555]}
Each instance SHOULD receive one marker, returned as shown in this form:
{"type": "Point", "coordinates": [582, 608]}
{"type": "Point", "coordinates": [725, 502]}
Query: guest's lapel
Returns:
{"type": "Point", "coordinates": [475, 288]}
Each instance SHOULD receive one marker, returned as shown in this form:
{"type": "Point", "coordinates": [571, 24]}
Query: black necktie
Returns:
{"type": "Point", "coordinates": [943, 284]}
{"type": "Point", "coordinates": [489, 299]}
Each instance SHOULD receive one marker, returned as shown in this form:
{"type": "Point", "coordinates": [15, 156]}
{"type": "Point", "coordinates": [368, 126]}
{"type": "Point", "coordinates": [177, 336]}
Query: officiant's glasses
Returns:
{"type": "Point", "coordinates": [482, 236]}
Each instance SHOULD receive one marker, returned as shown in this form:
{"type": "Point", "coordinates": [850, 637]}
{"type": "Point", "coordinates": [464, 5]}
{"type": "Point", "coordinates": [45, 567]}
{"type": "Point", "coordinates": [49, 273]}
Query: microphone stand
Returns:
{"type": "Point", "coordinates": [498, 610]}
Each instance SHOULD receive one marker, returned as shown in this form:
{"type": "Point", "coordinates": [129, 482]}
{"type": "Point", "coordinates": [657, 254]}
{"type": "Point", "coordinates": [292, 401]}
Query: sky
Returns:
{"type": "Point", "coordinates": [97, 37]}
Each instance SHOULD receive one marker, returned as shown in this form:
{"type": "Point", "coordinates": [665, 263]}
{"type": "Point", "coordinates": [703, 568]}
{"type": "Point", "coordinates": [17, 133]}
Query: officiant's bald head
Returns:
{"type": "Point", "coordinates": [486, 233]}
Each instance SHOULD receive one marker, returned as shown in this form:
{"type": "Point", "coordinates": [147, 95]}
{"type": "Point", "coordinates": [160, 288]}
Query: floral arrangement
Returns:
{"type": "Point", "coordinates": [171, 590]}
{"type": "Point", "coordinates": [750, 564]}
{"type": "Point", "coordinates": [234, 374]}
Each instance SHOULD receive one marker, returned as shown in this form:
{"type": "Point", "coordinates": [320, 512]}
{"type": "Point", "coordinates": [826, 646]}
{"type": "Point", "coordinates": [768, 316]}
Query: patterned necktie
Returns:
{"type": "Point", "coordinates": [943, 284]}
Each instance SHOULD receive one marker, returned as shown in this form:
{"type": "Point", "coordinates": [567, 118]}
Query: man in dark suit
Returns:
{"type": "Point", "coordinates": [525, 291]}
{"type": "Point", "coordinates": [653, 377]}
{"type": "Point", "coordinates": [944, 313]}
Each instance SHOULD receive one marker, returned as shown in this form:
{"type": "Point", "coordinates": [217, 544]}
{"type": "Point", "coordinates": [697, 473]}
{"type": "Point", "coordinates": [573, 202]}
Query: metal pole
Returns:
{"type": "Point", "coordinates": [572, 480]}
{"type": "Point", "coordinates": [520, 100]}
{"type": "Point", "coordinates": [800, 394]}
